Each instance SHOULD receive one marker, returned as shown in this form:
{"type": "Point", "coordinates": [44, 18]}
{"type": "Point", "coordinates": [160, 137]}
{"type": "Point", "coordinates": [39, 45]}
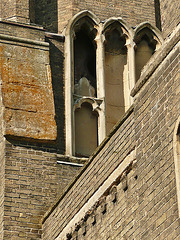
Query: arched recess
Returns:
{"type": "Point", "coordinates": [117, 87]}
{"type": "Point", "coordinates": [176, 149]}
{"type": "Point", "coordinates": [86, 130]}
{"type": "Point", "coordinates": [84, 54]}
{"type": "Point", "coordinates": [80, 69]}
{"type": "Point", "coordinates": [147, 40]}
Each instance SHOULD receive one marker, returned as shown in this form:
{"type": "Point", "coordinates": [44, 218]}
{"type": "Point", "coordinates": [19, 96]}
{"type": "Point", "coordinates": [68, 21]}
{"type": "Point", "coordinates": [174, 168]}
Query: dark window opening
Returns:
{"type": "Point", "coordinates": [84, 59]}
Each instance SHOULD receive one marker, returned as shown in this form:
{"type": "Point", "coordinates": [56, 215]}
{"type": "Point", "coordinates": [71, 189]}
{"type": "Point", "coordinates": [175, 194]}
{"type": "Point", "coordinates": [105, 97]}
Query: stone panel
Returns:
{"type": "Point", "coordinates": [27, 89]}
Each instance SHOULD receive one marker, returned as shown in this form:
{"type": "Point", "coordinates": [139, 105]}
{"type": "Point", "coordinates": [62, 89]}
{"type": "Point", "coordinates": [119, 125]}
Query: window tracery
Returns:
{"type": "Point", "coordinates": [103, 61]}
{"type": "Point", "coordinates": [146, 44]}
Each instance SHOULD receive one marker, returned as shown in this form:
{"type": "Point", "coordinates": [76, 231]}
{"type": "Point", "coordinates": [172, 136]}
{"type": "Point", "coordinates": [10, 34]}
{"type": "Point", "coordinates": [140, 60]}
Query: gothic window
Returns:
{"type": "Point", "coordinates": [86, 130]}
{"type": "Point", "coordinates": [103, 60]}
{"type": "Point", "coordinates": [146, 44]}
{"type": "Point", "coordinates": [116, 73]}
{"type": "Point", "coordinates": [82, 114]}
{"type": "Point", "coordinates": [84, 60]}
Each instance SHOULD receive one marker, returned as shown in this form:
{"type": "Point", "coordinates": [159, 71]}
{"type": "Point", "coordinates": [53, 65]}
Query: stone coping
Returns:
{"type": "Point", "coordinates": [98, 149]}
{"type": "Point", "coordinates": [56, 36]}
{"type": "Point", "coordinates": [23, 40]}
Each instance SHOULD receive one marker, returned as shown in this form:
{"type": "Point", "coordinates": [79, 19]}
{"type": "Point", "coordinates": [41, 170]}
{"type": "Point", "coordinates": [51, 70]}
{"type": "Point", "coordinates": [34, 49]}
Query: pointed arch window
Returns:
{"type": "Point", "coordinates": [85, 111]}
{"type": "Point", "coordinates": [86, 130]}
{"type": "Point", "coordinates": [147, 41]}
{"type": "Point", "coordinates": [116, 72]}
{"type": "Point", "coordinates": [103, 60]}
{"type": "Point", "coordinates": [85, 56]}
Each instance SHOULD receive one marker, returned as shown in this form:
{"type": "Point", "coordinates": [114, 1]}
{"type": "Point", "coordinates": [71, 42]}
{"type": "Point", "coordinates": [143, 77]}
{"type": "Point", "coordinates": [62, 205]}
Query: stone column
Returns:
{"type": "Point", "coordinates": [131, 69]}
{"type": "Point", "coordinates": [100, 83]}
{"type": "Point", "coordinates": [69, 90]}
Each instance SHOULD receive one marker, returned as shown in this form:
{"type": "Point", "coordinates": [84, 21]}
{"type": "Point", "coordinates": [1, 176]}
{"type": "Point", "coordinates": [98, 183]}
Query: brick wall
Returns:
{"type": "Point", "coordinates": [33, 182]}
{"type": "Point", "coordinates": [92, 177]}
{"type": "Point", "coordinates": [147, 209]}
{"type": "Point", "coordinates": [133, 12]}
{"type": "Point", "coordinates": [46, 15]}
{"type": "Point", "coordinates": [170, 15]}
{"type": "Point", "coordinates": [114, 214]}
{"type": "Point", "coordinates": [16, 10]}
{"type": "Point", "coordinates": [64, 13]}
{"type": "Point", "coordinates": [156, 111]}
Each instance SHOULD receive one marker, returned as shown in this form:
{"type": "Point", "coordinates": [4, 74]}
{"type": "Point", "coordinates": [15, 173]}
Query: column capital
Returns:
{"type": "Point", "coordinates": [130, 43]}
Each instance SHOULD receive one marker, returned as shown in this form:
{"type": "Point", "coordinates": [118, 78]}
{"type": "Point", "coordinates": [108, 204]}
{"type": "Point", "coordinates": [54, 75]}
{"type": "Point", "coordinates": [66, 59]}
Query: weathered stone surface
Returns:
{"type": "Point", "coordinates": [27, 92]}
{"type": "Point", "coordinates": [16, 10]}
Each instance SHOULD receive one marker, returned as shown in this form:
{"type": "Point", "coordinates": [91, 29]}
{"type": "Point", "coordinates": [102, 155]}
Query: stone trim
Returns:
{"type": "Point", "coordinates": [34, 26]}
{"type": "Point", "coordinates": [23, 40]}
{"type": "Point", "coordinates": [70, 163]}
{"type": "Point", "coordinates": [56, 36]}
{"type": "Point", "coordinates": [116, 127]}
{"type": "Point", "coordinates": [155, 30]}
{"type": "Point", "coordinates": [98, 194]}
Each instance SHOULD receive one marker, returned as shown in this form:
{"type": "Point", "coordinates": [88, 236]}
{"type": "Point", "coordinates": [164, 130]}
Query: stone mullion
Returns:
{"type": "Point", "coordinates": [100, 83]}
{"type": "Point", "coordinates": [131, 67]}
{"type": "Point", "coordinates": [69, 90]}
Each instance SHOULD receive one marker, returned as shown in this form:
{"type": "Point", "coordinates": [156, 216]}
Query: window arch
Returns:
{"type": "Point", "coordinates": [100, 63]}
{"type": "Point", "coordinates": [81, 82]}
{"type": "Point", "coordinates": [86, 130]}
{"type": "Point", "coordinates": [85, 52]}
{"type": "Point", "coordinates": [147, 40]}
{"type": "Point", "coordinates": [115, 73]}
{"type": "Point", "coordinates": [176, 149]}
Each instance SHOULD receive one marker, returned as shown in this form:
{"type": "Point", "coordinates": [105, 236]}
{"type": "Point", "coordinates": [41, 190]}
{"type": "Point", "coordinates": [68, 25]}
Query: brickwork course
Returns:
{"type": "Point", "coordinates": [127, 189]}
